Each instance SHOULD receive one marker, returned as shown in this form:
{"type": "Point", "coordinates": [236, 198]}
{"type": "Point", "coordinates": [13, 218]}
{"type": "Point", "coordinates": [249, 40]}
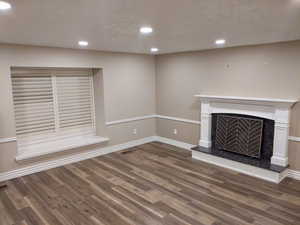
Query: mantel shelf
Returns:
{"type": "Point", "coordinates": [249, 100]}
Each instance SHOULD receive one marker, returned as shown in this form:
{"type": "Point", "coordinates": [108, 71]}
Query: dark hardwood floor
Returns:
{"type": "Point", "coordinates": [150, 184]}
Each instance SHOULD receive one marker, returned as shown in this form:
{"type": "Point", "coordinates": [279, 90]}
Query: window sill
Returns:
{"type": "Point", "coordinates": [37, 150]}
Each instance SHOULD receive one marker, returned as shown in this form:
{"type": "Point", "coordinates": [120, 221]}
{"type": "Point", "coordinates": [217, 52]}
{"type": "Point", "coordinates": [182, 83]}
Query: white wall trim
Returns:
{"type": "Point", "coordinates": [72, 159]}
{"type": "Point", "coordinates": [173, 142]}
{"type": "Point", "coordinates": [151, 117]}
{"type": "Point", "coordinates": [130, 120]}
{"type": "Point", "coordinates": [8, 139]}
{"type": "Point", "coordinates": [293, 138]}
{"type": "Point", "coordinates": [294, 174]}
{"type": "Point", "coordinates": [178, 119]}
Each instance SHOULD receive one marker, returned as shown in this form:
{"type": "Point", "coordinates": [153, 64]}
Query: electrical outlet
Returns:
{"type": "Point", "coordinates": [134, 131]}
{"type": "Point", "coordinates": [175, 131]}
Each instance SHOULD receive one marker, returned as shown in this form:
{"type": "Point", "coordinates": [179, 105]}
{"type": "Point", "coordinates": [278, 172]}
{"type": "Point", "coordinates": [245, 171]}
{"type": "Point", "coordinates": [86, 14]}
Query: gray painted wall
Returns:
{"type": "Point", "coordinates": [266, 71]}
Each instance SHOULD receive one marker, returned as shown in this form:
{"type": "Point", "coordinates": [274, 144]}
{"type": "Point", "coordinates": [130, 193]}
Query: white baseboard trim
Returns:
{"type": "Point", "coordinates": [8, 139]}
{"type": "Point", "coordinates": [173, 142]}
{"type": "Point", "coordinates": [294, 174]}
{"type": "Point", "coordinates": [71, 159]}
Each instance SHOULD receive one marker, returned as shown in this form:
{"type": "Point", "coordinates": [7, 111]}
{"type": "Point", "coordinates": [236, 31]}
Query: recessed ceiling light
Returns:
{"type": "Point", "coordinates": [220, 42]}
{"type": "Point", "coordinates": [4, 5]}
{"type": "Point", "coordinates": [154, 49]}
{"type": "Point", "coordinates": [83, 43]}
{"type": "Point", "coordinates": [146, 30]}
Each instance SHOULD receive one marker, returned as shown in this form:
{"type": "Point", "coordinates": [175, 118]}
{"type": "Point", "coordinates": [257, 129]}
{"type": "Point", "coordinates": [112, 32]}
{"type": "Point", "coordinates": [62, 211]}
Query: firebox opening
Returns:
{"type": "Point", "coordinates": [243, 136]}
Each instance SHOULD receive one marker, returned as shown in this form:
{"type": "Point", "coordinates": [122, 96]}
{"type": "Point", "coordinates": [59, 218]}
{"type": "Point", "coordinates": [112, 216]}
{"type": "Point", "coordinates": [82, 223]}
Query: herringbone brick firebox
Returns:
{"type": "Point", "coordinates": [239, 135]}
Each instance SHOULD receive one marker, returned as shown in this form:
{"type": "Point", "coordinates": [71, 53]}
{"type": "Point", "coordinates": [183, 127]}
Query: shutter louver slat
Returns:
{"type": "Point", "coordinates": [36, 119]}
{"type": "Point", "coordinates": [83, 106]}
{"type": "Point", "coordinates": [72, 102]}
{"type": "Point", "coordinates": [35, 106]}
{"type": "Point", "coordinates": [71, 92]}
{"type": "Point", "coordinates": [23, 99]}
{"type": "Point", "coordinates": [33, 93]}
{"type": "Point", "coordinates": [75, 119]}
{"type": "Point", "coordinates": [67, 114]}
{"type": "Point", "coordinates": [32, 101]}
{"type": "Point", "coordinates": [75, 97]}
{"type": "Point", "coordinates": [34, 111]}
{"type": "Point", "coordinates": [69, 86]}
{"type": "Point", "coordinates": [37, 130]}
{"type": "Point", "coordinates": [25, 87]}
{"type": "Point", "coordinates": [71, 121]}
{"type": "Point", "coordinates": [77, 124]}
{"type": "Point", "coordinates": [31, 90]}
{"type": "Point", "coordinates": [32, 124]}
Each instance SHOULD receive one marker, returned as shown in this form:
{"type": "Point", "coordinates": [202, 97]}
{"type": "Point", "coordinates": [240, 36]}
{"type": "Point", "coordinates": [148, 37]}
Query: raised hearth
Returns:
{"type": "Point", "coordinates": [260, 163]}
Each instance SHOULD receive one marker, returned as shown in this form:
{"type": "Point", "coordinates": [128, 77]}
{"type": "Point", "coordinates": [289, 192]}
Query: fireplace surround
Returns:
{"type": "Point", "coordinates": [274, 111]}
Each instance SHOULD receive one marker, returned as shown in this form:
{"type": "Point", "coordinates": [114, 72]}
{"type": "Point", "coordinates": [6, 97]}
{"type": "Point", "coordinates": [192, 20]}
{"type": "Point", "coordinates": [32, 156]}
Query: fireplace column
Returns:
{"type": "Point", "coordinates": [205, 131]}
{"type": "Point", "coordinates": [281, 135]}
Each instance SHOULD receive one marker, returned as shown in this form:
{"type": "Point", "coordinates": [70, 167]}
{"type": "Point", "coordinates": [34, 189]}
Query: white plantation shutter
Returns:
{"type": "Point", "coordinates": [52, 104]}
{"type": "Point", "coordinates": [75, 101]}
{"type": "Point", "coordinates": [33, 101]}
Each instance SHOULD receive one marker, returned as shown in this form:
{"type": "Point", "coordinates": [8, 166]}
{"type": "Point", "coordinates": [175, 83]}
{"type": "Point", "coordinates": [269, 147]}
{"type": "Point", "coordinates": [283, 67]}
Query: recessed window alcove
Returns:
{"type": "Point", "coordinates": [57, 109]}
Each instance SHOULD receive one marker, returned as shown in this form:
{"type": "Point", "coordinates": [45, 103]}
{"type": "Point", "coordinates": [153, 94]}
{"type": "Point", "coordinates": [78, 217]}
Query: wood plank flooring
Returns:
{"type": "Point", "coordinates": [151, 184]}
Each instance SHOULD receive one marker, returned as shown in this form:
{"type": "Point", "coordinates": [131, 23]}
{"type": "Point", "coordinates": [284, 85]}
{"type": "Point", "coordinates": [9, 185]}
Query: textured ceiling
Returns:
{"type": "Point", "coordinates": [179, 25]}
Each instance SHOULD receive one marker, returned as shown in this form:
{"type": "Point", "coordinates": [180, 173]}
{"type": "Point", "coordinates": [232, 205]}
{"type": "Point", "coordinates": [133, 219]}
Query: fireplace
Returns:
{"type": "Point", "coordinates": [237, 134]}
{"type": "Point", "coordinates": [242, 138]}
{"type": "Point", "coordinates": [249, 135]}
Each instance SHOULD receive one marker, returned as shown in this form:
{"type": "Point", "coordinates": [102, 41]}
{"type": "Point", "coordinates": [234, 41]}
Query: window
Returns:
{"type": "Point", "coordinates": [52, 105]}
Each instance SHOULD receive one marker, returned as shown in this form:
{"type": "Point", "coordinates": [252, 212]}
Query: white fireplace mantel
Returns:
{"type": "Point", "coordinates": [274, 109]}
{"type": "Point", "coordinates": [249, 100]}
